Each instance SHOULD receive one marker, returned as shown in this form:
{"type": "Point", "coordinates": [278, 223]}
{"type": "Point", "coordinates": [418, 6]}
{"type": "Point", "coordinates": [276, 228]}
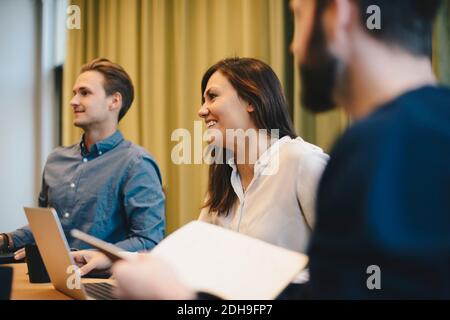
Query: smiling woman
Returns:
{"type": "Point", "coordinates": [244, 94]}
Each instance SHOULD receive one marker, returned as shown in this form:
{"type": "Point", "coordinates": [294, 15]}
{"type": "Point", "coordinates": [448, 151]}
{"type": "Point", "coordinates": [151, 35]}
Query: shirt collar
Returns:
{"type": "Point", "coordinates": [264, 159]}
{"type": "Point", "coordinates": [262, 162]}
{"type": "Point", "coordinates": [267, 155]}
{"type": "Point", "coordinates": [102, 146]}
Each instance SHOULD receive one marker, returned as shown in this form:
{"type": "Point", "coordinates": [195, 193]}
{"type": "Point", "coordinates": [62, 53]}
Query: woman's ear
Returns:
{"type": "Point", "coordinates": [250, 108]}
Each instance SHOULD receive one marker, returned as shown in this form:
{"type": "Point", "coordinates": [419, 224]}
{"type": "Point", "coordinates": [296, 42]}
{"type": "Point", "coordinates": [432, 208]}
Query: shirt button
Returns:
{"type": "Point", "coordinates": [72, 185]}
{"type": "Point", "coordinates": [85, 160]}
{"type": "Point", "coordinates": [100, 153]}
{"type": "Point", "coordinates": [66, 215]}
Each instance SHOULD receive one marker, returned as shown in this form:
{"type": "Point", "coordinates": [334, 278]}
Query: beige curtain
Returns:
{"type": "Point", "coordinates": [166, 45]}
{"type": "Point", "coordinates": [441, 44]}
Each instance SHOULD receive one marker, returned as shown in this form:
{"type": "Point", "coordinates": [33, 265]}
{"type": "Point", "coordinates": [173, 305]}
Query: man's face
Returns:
{"type": "Point", "coordinates": [90, 104]}
{"type": "Point", "coordinates": [316, 64]}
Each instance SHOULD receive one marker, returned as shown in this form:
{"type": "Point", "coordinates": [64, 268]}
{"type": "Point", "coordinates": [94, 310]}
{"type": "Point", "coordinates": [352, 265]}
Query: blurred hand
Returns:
{"type": "Point", "coordinates": [147, 278]}
{"type": "Point", "coordinates": [19, 254]}
{"type": "Point", "coordinates": [88, 260]}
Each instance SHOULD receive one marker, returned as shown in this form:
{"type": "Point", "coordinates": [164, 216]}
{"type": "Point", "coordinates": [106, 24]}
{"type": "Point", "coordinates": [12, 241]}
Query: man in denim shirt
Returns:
{"type": "Point", "coordinates": [104, 185]}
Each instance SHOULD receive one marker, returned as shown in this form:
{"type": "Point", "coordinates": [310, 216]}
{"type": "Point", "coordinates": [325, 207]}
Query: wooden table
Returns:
{"type": "Point", "coordinates": [22, 289]}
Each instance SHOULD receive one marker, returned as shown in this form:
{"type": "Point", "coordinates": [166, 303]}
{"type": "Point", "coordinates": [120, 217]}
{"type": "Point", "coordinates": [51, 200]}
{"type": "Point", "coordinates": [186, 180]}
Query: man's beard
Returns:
{"type": "Point", "coordinates": [318, 84]}
{"type": "Point", "coordinates": [318, 73]}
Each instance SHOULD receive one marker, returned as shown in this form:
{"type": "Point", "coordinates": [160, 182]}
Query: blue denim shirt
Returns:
{"type": "Point", "coordinates": [113, 192]}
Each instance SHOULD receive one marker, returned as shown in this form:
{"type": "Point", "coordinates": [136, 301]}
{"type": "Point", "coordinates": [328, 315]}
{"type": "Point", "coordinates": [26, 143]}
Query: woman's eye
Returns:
{"type": "Point", "coordinates": [212, 96]}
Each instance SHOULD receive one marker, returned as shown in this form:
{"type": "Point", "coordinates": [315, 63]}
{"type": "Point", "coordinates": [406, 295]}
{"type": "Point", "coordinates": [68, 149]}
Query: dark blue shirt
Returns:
{"type": "Point", "coordinates": [113, 192]}
{"type": "Point", "coordinates": [384, 200]}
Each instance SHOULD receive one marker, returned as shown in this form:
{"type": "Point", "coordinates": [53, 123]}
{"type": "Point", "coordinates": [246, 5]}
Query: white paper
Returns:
{"type": "Point", "coordinates": [228, 264]}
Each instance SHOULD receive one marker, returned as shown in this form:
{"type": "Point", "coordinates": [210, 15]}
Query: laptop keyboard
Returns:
{"type": "Point", "coordinates": [100, 290]}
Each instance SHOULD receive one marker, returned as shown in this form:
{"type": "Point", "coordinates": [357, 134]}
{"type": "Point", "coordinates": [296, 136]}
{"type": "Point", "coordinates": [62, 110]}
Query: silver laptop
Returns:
{"type": "Point", "coordinates": [55, 252]}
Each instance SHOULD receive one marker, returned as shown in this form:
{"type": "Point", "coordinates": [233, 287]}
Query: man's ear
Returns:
{"type": "Point", "coordinates": [337, 21]}
{"type": "Point", "coordinates": [116, 101]}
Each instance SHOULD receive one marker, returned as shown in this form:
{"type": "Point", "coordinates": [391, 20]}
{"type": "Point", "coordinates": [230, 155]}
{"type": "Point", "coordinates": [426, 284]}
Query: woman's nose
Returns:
{"type": "Point", "coordinates": [203, 111]}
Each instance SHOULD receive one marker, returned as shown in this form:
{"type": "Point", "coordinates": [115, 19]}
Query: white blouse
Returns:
{"type": "Point", "coordinates": [288, 171]}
